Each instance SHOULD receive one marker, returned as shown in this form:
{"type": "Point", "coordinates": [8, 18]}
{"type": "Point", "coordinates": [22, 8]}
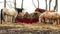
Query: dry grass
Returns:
{"type": "Point", "coordinates": [35, 26]}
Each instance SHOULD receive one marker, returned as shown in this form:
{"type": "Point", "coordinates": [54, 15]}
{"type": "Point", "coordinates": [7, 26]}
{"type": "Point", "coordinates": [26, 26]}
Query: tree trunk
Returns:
{"type": "Point", "coordinates": [46, 4]}
{"type": "Point", "coordinates": [22, 4]}
{"type": "Point", "coordinates": [15, 4]}
{"type": "Point", "coordinates": [56, 5]}
{"type": "Point", "coordinates": [4, 3]}
{"type": "Point", "coordinates": [34, 4]}
{"type": "Point", "coordinates": [49, 4]}
{"type": "Point", "coordinates": [38, 3]}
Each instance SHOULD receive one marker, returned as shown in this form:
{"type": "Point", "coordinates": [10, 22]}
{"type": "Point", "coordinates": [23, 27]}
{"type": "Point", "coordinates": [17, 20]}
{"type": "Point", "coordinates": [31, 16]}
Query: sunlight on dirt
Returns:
{"type": "Point", "coordinates": [35, 26]}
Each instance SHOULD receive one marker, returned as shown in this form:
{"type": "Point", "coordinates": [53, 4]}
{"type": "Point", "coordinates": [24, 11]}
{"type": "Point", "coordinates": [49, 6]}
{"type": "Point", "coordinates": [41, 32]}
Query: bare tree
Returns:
{"type": "Point", "coordinates": [34, 4]}
{"type": "Point", "coordinates": [9, 3]}
{"type": "Point", "coordinates": [38, 3]}
{"type": "Point", "coordinates": [46, 4]}
{"type": "Point", "coordinates": [4, 3]}
{"type": "Point", "coordinates": [49, 4]}
{"type": "Point", "coordinates": [14, 3]}
{"type": "Point", "coordinates": [22, 4]}
{"type": "Point", "coordinates": [56, 5]}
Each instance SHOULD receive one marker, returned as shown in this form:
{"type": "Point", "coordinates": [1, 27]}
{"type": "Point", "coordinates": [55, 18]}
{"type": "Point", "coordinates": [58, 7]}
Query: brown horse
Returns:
{"type": "Point", "coordinates": [40, 10]}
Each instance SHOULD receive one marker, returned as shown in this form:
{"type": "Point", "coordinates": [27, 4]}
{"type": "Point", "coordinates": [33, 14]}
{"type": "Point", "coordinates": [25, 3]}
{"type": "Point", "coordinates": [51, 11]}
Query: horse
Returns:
{"type": "Point", "coordinates": [51, 15]}
{"type": "Point", "coordinates": [9, 15]}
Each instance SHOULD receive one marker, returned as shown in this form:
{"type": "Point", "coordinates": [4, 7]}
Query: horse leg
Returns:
{"type": "Point", "coordinates": [51, 21]}
{"type": "Point", "coordinates": [55, 21]}
{"type": "Point", "coordinates": [40, 20]}
{"type": "Point", "coordinates": [14, 19]}
{"type": "Point", "coordinates": [44, 20]}
{"type": "Point", "coordinates": [58, 21]}
{"type": "Point", "coordinates": [8, 19]}
{"type": "Point", "coordinates": [11, 18]}
{"type": "Point", "coordinates": [5, 18]}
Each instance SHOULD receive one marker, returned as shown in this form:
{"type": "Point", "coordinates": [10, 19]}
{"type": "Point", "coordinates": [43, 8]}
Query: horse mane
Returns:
{"type": "Point", "coordinates": [19, 9]}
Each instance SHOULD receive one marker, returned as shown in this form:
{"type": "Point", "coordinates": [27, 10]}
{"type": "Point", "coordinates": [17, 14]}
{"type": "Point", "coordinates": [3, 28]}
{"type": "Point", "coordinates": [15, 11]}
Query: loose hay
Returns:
{"type": "Point", "coordinates": [36, 26]}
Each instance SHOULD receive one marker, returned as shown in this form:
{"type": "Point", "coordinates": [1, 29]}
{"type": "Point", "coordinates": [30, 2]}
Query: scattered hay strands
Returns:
{"type": "Point", "coordinates": [31, 26]}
